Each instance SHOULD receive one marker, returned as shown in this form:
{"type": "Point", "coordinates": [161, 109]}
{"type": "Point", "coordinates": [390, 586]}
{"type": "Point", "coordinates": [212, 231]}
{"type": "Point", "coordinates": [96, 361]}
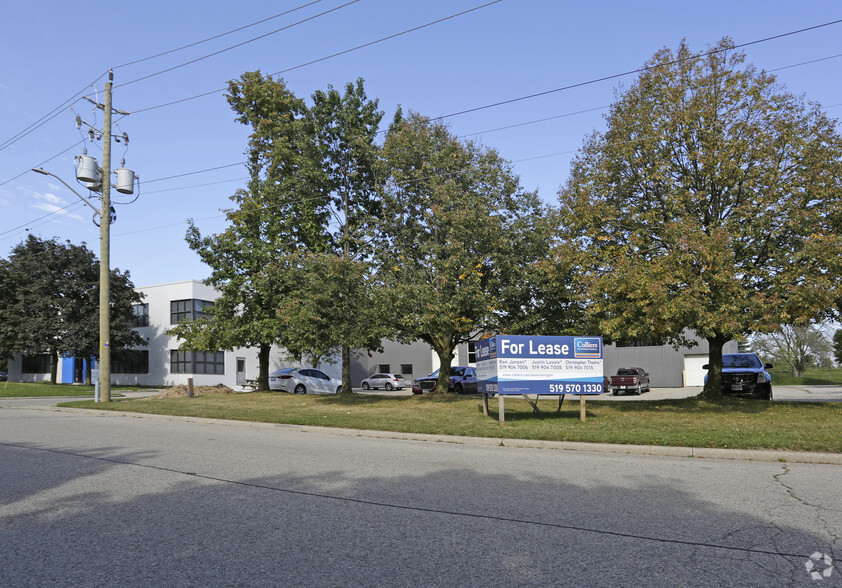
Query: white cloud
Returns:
{"type": "Point", "coordinates": [52, 198]}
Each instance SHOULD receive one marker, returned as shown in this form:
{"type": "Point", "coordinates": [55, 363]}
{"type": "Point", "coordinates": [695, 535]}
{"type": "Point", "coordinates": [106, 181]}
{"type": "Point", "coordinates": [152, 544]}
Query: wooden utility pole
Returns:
{"type": "Point", "coordinates": [105, 254]}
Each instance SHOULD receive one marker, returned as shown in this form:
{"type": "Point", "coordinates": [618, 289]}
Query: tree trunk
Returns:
{"type": "Point", "coordinates": [88, 363]}
{"type": "Point", "coordinates": [445, 353]}
{"type": "Point", "coordinates": [53, 367]}
{"type": "Point", "coordinates": [263, 367]}
{"type": "Point", "coordinates": [713, 387]}
{"type": "Point", "coordinates": [346, 370]}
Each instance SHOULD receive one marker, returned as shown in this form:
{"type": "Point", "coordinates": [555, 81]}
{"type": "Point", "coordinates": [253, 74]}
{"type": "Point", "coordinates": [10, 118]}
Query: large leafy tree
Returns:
{"type": "Point", "coordinates": [49, 302]}
{"type": "Point", "coordinates": [711, 202]}
{"type": "Point", "coordinates": [454, 237]}
{"type": "Point", "coordinates": [283, 208]}
{"type": "Point", "coordinates": [343, 128]}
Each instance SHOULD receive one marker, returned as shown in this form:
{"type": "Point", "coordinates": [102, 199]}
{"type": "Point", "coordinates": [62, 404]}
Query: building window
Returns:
{"type": "Point", "coordinates": [406, 369]}
{"type": "Point", "coordinates": [384, 367]}
{"type": "Point", "coordinates": [197, 362]}
{"type": "Point", "coordinates": [130, 361]}
{"type": "Point", "coordinates": [36, 364]}
{"type": "Point", "coordinates": [140, 315]}
{"type": "Point", "coordinates": [472, 352]}
{"type": "Point", "coordinates": [189, 309]}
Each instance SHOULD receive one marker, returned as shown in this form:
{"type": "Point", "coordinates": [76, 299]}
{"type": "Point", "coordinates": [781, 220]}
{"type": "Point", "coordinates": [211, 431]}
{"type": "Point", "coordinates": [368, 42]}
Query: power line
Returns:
{"type": "Point", "coordinates": [261, 21]}
{"type": "Point", "coordinates": [242, 179]}
{"type": "Point", "coordinates": [76, 144]}
{"type": "Point", "coordinates": [31, 224]}
{"type": "Point", "coordinates": [56, 111]}
{"type": "Point", "coordinates": [193, 173]}
{"type": "Point", "coordinates": [507, 101]}
{"type": "Point", "coordinates": [47, 117]}
{"type": "Point", "coordinates": [331, 56]}
{"type": "Point", "coordinates": [634, 71]}
{"type": "Point", "coordinates": [192, 61]}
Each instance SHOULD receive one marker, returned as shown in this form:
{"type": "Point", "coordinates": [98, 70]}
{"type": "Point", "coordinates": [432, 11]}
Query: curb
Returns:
{"type": "Point", "coordinates": [767, 455]}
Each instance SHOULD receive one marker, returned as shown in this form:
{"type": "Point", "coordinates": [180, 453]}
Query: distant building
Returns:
{"type": "Point", "coordinates": [160, 363]}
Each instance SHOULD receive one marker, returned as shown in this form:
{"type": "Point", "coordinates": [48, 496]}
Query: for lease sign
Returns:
{"type": "Point", "coordinates": [525, 364]}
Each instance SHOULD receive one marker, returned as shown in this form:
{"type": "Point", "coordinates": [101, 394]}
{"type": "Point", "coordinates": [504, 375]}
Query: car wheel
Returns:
{"type": "Point", "coordinates": [615, 392]}
{"type": "Point", "coordinates": [339, 389]}
{"type": "Point", "coordinates": [389, 386]}
{"type": "Point", "coordinates": [366, 386]}
{"type": "Point", "coordinates": [768, 395]}
{"type": "Point", "coordinates": [458, 388]}
{"type": "Point", "coordinates": [300, 389]}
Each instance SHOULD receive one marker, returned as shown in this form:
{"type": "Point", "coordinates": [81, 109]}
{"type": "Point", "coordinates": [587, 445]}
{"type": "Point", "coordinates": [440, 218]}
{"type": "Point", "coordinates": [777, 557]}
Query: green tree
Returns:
{"type": "Point", "coordinates": [343, 129]}
{"type": "Point", "coordinates": [799, 346]}
{"type": "Point", "coordinates": [327, 307]}
{"type": "Point", "coordinates": [837, 346]}
{"type": "Point", "coordinates": [710, 203]}
{"type": "Point", "coordinates": [283, 208]}
{"type": "Point", "coordinates": [454, 237]}
{"type": "Point", "coordinates": [49, 302]}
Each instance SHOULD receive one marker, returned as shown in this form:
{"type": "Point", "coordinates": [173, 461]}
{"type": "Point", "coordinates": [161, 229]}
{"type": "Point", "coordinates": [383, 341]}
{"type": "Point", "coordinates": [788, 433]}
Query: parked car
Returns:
{"type": "Point", "coordinates": [304, 381]}
{"type": "Point", "coordinates": [3, 376]}
{"type": "Point", "coordinates": [463, 380]}
{"type": "Point", "coordinates": [386, 381]}
{"type": "Point", "coordinates": [743, 374]}
{"type": "Point", "coordinates": [632, 379]}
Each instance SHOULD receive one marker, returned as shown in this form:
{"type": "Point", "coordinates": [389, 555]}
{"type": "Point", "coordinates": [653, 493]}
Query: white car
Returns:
{"type": "Point", "coordinates": [387, 381]}
{"type": "Point", "coordinates": [304, 381]}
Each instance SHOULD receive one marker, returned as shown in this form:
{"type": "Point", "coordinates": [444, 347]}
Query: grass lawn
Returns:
{"type": "Point", "coordinates": [782, 376]}
{"type": "Point", "coordinates": [689, 422]}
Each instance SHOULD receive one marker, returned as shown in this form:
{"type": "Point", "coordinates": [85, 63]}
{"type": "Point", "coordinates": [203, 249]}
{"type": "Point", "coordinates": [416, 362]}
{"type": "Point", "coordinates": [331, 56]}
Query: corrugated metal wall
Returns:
{"type": "Point", "coordinates": [665, 364]}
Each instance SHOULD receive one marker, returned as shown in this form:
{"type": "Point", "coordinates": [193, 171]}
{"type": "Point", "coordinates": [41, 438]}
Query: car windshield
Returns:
{"type": "Point", "coordinates": [457, 371]}
{"type": "Point", "coordinates": [626, 373]}
{"type": "Point", "coordinates": [741, 361]}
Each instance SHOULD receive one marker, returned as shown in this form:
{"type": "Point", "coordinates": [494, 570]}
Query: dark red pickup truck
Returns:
{"type": "Point", "coordinates": [632, 379]}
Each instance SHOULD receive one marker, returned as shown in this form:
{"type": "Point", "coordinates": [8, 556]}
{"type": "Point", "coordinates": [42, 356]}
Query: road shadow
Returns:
{"type": "Point", "coordinates": [117, 517]}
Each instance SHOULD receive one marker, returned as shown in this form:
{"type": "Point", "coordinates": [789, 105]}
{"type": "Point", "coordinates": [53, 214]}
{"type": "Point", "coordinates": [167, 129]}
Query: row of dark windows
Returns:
{"type": "Point", "coordinates": [130, 361]}
{"type": "Point", "coordinates": [190, 309]}
{"type": "Point", "coordinates": [136, 361]}
{"type": "Point", "coordinates": [180, 310]}
{"type": "Point", "coordinates": [406, 368]}
{"type": "Point", "coordinates": [36, 364]}
{"type": "Point", "coordinates": [197, 362]}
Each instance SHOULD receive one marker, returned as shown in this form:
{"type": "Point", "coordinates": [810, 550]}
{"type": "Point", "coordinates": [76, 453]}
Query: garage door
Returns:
{"type": "Point", "coordinates": [694, 375]}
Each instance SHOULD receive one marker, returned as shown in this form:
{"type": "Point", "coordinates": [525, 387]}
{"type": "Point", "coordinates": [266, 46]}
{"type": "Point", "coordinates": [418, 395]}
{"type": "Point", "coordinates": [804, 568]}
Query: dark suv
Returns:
{"type": "Point", "coordinates": [463, 380]}
{"type": "Point", "coordinates": [744, 374]}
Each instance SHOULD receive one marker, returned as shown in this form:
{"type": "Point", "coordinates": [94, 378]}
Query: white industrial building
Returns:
{"type": "Point", "coordinates": [160, 363]}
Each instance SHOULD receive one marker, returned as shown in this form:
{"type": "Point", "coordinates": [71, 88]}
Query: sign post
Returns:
{"type": "Point", "coordinates": [539, 365]}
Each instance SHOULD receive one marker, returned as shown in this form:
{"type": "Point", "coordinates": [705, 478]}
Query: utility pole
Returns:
{"type": "Point", "coordinates": [105, 254]}
{"type": "Point", "coordinates": [98, 179]}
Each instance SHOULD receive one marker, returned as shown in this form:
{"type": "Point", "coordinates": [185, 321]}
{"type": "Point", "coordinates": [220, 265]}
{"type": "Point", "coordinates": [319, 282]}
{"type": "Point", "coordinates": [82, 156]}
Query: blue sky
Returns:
{"type": "Point", "coordinates": [54, 51]}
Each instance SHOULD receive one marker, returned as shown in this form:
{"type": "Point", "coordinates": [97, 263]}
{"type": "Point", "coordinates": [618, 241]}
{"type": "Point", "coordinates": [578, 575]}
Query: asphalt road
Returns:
{"type": "Point", "coordinates": [96, 499]}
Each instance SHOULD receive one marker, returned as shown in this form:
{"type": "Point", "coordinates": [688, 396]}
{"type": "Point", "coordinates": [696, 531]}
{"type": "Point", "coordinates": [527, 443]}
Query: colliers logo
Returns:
{"type": "Point", "coordinates": [587, 347]}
